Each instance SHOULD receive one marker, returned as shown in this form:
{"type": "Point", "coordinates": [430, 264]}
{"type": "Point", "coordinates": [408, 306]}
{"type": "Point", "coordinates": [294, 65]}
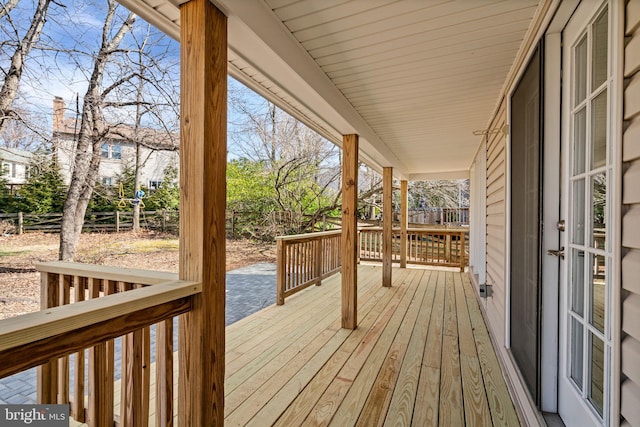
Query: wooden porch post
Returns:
{"type": "Point", "coordinates": [203, 159]}
{"type": "Point", "coordinates": [349, 231]}
{"type": "Point", "coordinates": [387, 225]}
{"type": "Point", "coordinates": [404, 211]}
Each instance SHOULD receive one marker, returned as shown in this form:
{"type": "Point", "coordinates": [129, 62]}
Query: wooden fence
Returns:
{"type": "Point", "coordinates": [238, 224]}
{"type": "Point", "coordinates": [19, 223]}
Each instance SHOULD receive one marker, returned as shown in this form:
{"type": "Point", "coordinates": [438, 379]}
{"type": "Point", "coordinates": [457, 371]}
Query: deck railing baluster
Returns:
{"type": "Point", "coordinates": [95, 282]}
{"type": "Point", "coordinates": [77, 409]}
{"type": "Point", "coordinates": [164, 373]}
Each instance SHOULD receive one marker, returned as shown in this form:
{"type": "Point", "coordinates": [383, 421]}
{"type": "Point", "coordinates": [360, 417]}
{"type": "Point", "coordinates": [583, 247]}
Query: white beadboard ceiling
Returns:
{"type": "Point", "coordinates": [414, 78]}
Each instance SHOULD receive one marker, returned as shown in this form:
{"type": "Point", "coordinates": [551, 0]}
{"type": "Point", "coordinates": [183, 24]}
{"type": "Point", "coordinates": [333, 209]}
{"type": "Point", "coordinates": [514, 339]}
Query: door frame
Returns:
{"type": "Point", "coordinates": [553, 139]}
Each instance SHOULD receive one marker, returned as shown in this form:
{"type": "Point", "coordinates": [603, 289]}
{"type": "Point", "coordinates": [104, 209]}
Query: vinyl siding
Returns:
{"type": "Point", "coordinates": [496, 197]}
{"type": "Point", "coordinates": [478, 214]}
{"type": "Point", "coordinates": [630, 354]}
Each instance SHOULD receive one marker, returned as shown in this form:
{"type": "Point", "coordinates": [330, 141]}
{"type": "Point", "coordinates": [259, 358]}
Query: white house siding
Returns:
{"type": "Point", "coordinates": [478, 215]}
{"type": "Point", "coordinates": [630, 387]}
{"type": "Point", "coordinates": [153, 169]}
{"type": "Point", "coordinates": [14, 164]}
{"type": "Point", "coordinates": [496, 226]}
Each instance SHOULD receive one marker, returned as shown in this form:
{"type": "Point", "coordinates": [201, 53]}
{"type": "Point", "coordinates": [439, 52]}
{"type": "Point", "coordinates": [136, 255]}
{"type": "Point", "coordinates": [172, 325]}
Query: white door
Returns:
{"type": "Point", "coordinates": [585, 306]}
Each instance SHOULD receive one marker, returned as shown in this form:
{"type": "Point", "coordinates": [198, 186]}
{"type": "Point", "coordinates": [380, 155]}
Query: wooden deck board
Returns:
{"type": "Point", "coordinates": [472, 382]}
{"type": "Point", "coordinates": [503, 412]}
{"type": "Point", "coordinates": [274, 391]}
{"type": "Point", "coordinates": [420, 356]}
{"type": "Point", "coordinates": [426, 409]}
{"type": "Point", "coordinates": [387, 355]}
{"type": "Point", "coordinates": [404, 394]}
{"type": "Point", "coordinates": [334, 396]}
{"type": "Point", "coordinates": [304, 403]}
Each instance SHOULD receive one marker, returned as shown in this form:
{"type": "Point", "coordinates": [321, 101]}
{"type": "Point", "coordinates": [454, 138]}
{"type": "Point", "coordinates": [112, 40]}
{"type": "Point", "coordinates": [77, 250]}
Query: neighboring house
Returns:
{"type": "Point", "coordinates": [15, 166]}
{"type": "Point", "coordinates": [117, 149]}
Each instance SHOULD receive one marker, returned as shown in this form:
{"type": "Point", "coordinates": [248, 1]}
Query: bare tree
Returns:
{"type": "Point", "coordinates": [13, 74]}
{"type": "Point", "coordinates": [441, 194]}
{"type": "Point", "coordinates": [7, 7]}
{"type": "Point", "coordinates": [20, 134]}
{"type": "Point", "coordinates": [153, 94]}
{"type": "Point", "coordinates": [92, 131]}
{"type": "Point", "coordinates": [304, 168]}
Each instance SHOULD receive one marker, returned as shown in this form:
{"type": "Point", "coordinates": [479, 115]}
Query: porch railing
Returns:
{"type": "Point", "coordinates": [84, 308]}
{"type": "Point", "coordinates": [371, 244]}
{"type": "Point", "coordinates": [438, 247]}
{"type": "Point", "coordinates": [305, 259]}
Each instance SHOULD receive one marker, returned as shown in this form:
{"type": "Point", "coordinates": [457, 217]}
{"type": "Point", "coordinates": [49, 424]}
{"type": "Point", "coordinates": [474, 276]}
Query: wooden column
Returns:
{"type": "Point", "coordinates": [203, 160]}
{"type": "Point", "coordinates": [349, 231]}
{"type": "Point", "coordinates": [404, 211]}
{"type": "Point", "coordinates": [387, 224]}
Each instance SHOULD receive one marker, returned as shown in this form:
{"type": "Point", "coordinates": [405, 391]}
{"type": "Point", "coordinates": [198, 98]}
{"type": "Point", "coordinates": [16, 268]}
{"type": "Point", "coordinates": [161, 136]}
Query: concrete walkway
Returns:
{"type": "Point", "coordinates": [249, 289]}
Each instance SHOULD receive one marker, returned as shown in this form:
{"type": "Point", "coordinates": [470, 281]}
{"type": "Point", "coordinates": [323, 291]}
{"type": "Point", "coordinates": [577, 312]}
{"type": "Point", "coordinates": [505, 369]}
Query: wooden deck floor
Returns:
{"type": "Point", "coordinates": [420, 356]}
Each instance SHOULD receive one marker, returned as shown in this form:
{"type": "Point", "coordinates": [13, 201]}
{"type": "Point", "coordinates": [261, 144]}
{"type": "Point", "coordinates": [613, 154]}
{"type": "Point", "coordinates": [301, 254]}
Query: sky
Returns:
{"type": "Point", "coordinates": [61, 62]}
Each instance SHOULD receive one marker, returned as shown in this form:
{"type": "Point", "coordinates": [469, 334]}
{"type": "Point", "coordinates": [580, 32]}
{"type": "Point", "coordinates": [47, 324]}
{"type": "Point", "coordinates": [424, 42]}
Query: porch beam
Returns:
{"type": "Point", "coordinates": [349, 239]}
{"type": "Point", "coordinates": [203, 158]}
{"type": "Point", "coordinates": [387, 225]}
{"type": "Point", "coordinates": [404, 214]}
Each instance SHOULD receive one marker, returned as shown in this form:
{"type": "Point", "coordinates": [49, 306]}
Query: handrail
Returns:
{"type": "Point", "coordinates": [118, 274]}
{"type": "Point", "coordinates": [308, 236]}
{"type": "Point", "coordinates": [32, 339]}
{"type": "Point", "coordinates": [83, 309]}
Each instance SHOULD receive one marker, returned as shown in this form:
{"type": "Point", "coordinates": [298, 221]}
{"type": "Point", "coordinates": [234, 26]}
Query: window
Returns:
{"type": "Point", "coordinates": [154, 185]}
{"type": "Point", "coordinates": [14, 171]}
{"type": "Point", "coordinates": [111, 151]}
{"type": "Point", "coordinates": [116, 152]}
{"type": "Point", "coordinates": [107, 181]}
{"type": "Point", "coordinates": [590, 253]}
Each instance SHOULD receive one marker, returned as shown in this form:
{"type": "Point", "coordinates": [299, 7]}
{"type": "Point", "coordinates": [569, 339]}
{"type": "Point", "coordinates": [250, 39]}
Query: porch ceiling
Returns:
{"type": "Point", "coordinates": [412, 78]}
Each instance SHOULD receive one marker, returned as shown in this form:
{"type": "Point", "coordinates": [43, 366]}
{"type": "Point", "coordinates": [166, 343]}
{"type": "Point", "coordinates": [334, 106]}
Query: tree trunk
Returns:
{"type": "Point", "coordinates": [89, 141]}
{"type": "Point", "coordinates": [12, 79]}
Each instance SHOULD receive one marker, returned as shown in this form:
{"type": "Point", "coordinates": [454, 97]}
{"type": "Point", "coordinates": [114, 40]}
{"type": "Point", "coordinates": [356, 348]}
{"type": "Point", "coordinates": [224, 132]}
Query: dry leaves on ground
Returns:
{"type": "Point", "coordinates": [20, 284]}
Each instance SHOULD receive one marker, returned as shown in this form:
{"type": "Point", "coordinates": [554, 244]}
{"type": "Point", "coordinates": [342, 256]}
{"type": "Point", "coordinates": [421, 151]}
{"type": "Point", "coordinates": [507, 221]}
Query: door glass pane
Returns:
{"type": "Point", "coordinates": [580, 88]}
{"type": "Point", "coordinates": [578, 212]}
{"type": "Point", "coordinates": [596, 394]}
{"type": "Point", "coordinates": [577, 281]}
{"type": "Point", "coordinates": [599, 210]}
{"type": "Point", "coordinates": [599, 130]}
{"type": "Point", "coordinates": [597, 310]}
{"type": "Point", "coordinates": [599, 50]}
{"type": "Point", "coordinates": [579, 141]}
{"type": "Point", "coordinates": [576, 352]}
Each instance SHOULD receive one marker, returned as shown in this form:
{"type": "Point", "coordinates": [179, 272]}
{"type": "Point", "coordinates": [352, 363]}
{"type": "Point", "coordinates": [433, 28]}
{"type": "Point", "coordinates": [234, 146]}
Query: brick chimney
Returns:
{"type": "Point", "coordinates": [59, 107]}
